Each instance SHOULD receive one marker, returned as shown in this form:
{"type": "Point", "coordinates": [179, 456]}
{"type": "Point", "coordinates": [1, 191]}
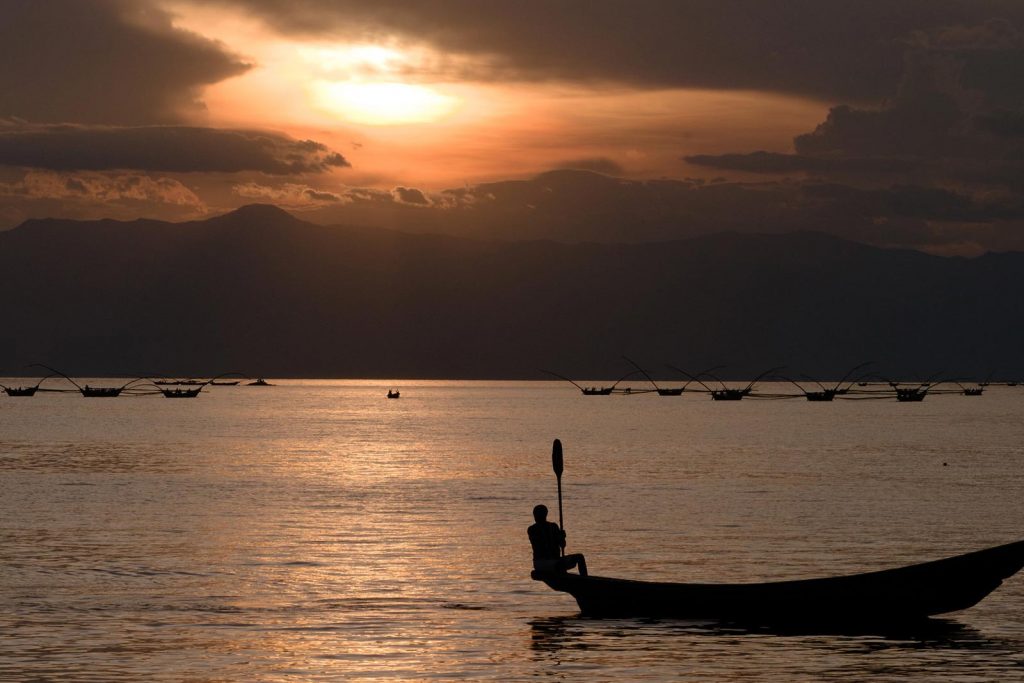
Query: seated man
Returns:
{"type": "Point", "coordinates": [548, 541]}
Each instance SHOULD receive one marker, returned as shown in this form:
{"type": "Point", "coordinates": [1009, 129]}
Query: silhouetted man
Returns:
{"type": "Point", "coordinates": [547, 541]}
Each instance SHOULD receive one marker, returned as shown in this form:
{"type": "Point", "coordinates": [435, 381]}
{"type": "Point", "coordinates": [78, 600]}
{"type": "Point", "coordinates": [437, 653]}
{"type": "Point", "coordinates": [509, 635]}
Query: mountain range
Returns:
{"type": "Point", "coordinates": [261, 292]}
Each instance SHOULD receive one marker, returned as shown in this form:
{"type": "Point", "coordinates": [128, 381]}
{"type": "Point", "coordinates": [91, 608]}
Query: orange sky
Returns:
{"type": "Point", "coordinates": [398, 115]}
{"type": "Point", "coordinates": [897, 123]}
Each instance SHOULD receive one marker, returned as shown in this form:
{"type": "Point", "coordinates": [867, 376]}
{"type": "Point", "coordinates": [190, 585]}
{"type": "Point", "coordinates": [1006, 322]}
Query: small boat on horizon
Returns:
{"type": "Point", "coordinates": [394, 394]}
{"type": "Point", "coordinates": [259, 383]}
{"type": "Point", "coordinates": [181, 393]}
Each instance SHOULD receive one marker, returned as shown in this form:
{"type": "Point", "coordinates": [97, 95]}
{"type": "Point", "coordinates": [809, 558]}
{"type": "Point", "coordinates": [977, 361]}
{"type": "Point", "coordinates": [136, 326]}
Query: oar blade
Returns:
{"type": "Point", "coordinates": [556, 457]}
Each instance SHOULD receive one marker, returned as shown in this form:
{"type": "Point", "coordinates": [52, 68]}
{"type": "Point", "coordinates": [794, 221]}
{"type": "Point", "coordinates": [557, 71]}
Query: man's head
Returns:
{"type": "Point", "coordinates": [540, 513]}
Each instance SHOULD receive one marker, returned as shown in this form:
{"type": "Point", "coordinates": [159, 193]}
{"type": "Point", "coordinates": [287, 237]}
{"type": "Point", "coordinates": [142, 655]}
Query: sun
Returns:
{"type": "Point", "coordinates": [383, 103]}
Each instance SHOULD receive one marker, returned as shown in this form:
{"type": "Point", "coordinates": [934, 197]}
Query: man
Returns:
{"type": "Point", "coordinates": [548, 541]}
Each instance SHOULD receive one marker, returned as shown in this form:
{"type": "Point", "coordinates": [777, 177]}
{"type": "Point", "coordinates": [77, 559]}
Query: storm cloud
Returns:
{"type": "Point", "coordinates": [180, 149]}
{"type": "Point", "coordinates": [828, 49]}
{"type": "Point", "coordinates": [103, 61]}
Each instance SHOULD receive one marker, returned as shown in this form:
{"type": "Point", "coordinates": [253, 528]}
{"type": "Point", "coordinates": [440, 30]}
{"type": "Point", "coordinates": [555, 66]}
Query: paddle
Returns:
{"type": "Point", "coordinates": [556, 464]}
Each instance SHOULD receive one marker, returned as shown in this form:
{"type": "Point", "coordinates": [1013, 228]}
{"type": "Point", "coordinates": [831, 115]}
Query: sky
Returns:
{"type": "Point", "coordinates": [896, 123]}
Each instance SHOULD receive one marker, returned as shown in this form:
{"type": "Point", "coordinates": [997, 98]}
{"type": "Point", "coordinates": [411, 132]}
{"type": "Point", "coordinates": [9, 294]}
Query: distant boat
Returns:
{"type": "Point", "coordinates": [21, 391]}
{"type": "Point", "coordinates": [910, 394]}
{"type": "Point", "coordinates": [394, 394]}
{"type": "Point", "coordinates": [593, 391]}
{"type": "Point", "coordinates": [224, 384]}
{"type": "Point", "coordinates": [662, 391]}
{"type": "Point", "coordinates": [883, 597]}
{"type": "Point", "coordinates": [259, 383]}
{"type": "Point", "coordinates": [100, 392]}
{"type": "Point", "coordinates": [821, 396]}
{"type": "Point", "coordinates": [181, 393]}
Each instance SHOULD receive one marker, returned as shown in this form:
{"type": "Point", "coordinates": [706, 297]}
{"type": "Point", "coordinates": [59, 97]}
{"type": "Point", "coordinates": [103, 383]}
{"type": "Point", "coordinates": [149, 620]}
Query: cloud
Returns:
{"type": "Point", "coordinates": [178, 149]}
{"type": "Point", "coordinates": [774, 162]}
{"type": "Point", "coordinates": [98, 187]}
{"type": "Point", "coordinates": [293, 195]}
{"type": "Point", "coordinates": [410, 195]}
{"type": "Point", "coordinates": [595, 164]}
{"type": "Point", "coordinates": [830, 49]}
{"type": "Point", "coordinates": [103, 61]}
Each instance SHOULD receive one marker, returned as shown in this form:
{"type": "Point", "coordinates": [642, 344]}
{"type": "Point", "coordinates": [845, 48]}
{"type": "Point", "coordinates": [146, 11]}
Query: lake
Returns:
{"type": "Point", "coordinates": [315, 530]}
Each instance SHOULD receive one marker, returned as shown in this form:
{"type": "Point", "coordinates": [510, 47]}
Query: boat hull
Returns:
{"type": "Point", "coordinates": [904, 594]}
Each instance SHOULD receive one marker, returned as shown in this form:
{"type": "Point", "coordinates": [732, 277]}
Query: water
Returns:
{"type": "Point", "coordinates": [318, 531]}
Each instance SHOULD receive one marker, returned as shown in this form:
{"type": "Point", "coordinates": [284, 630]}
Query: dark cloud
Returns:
{"type": "Point", "coordinates": [319, 196]}
{"type": "Point", "coordinates": [832, 49]}
{"type": "Point", "coordinates": [180, 149]}
{"type": "Point", "coordinates": [911, 201]}
{"type": "Point", "coordinates": [410, 195]}
{"type": "Point", "coordinates": [595, 164]}
{"type": "Point", "coordinates": [774, 162]}
{"type": "Point", "coordinates": [103, 61]}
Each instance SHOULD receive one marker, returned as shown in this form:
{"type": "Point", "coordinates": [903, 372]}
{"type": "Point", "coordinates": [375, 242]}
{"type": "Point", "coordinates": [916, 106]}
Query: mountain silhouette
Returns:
{"type": "Point", "coordinates": [261, 291]}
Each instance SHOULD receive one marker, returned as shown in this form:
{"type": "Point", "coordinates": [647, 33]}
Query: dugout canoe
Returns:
{"type": "Point", "coordinates": [905, 594]}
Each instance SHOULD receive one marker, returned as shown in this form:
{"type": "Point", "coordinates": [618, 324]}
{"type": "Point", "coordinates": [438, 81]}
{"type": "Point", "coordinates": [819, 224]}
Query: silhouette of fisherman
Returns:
{"type": "Point", "coordinates": [548, 540]}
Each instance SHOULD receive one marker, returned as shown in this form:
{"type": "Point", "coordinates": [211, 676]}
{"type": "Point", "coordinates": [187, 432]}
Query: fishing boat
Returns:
{"type": "Point", "coordinates": [259, 383]}
{"type": "Point", "coordinates": [905, 594]}
{"type": "Point", "coordinates": [394, 394]}
{"type": "Point", "coordinates": [21, 391]}
{"type": "Point", "coordinates": [910, 394]}
{"type": "Point", "coordinates": [902, 595]}
{"type": "Point", "coordinates": [180, 393]}
{"type": "Point", "coordinates": [661, 391]}
{"type": "Point", "coordinates": [100, 392]}
{"type": "Point", "coordinates": [593, 391]}
{"type": "Point", "coordinates": [231, 383]}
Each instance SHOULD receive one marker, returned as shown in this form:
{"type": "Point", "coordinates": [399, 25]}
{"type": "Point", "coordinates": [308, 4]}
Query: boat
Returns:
{"type": "Point", "coordinates": [905, 594]}
{"type": "Point", "coordinates": [661, 391]}
{"type": "Point", "coordinates": [259, 383]}
{"type": "Point", "coordinates": [910, 394]}
{"type": "Point", "coordinates": [20, 391]}
{"type": "Point", "coordinates": [394, 394]}
{"type": "Point", "coordinates": [821, 396]}
{"type": "Point", "coordinates": [231, 383]}
{"type": "Point", "coordinates": [180, 393]}
{"type": "Point", "coordinates": [100, 392]}
{"type": "Point", "coordinates": [593, 391]}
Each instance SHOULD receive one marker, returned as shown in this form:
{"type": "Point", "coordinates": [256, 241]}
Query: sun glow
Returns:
{"type": "Point", "coordinates": [383, 103]}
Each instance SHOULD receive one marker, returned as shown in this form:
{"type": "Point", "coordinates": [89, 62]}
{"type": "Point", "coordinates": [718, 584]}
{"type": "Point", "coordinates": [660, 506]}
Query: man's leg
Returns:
{"type": "Point", "coordinates": [576, 560]}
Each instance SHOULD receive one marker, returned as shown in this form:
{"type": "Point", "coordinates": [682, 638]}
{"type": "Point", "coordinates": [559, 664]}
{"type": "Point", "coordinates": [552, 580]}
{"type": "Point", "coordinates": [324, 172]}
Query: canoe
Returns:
{"type": "Point", "coordinates": [893, 595]}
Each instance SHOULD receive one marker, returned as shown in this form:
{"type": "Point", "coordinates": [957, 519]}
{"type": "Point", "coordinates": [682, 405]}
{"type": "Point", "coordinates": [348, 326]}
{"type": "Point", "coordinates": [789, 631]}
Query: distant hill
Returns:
{"type": "Point", "coordinates": [261, 292]}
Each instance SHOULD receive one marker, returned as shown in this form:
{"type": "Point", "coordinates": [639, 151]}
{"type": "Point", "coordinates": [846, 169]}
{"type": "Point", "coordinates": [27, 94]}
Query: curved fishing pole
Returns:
{"type": "Point", "coordinates": [852, 370]}
{"type": "Point", "coordinates": [555, 374]}
{"type": "Point", "coordinates": [628, 374]}
{"type": "Point", "coordinates": [754, 381]}
{"type": "Point", "coordinates": [642, 371]}
{"type": "Point", "coordinates": [55, 372]}
{"type": "Point", "coordinates": [693, 378]}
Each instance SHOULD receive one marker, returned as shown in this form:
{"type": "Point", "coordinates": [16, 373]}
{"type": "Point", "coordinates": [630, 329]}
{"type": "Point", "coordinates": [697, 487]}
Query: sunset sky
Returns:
{"type": "Point", "coordinates": [899, 123]}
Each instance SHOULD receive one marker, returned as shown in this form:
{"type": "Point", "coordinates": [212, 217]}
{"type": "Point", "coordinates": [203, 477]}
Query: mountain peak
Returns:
{"type": "Point", "coordinates": [261, 213]}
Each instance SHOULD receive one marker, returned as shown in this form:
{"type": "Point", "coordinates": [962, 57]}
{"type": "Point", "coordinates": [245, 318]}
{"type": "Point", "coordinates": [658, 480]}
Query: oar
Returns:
{"type": "Point", "coordinates": [556, 464]}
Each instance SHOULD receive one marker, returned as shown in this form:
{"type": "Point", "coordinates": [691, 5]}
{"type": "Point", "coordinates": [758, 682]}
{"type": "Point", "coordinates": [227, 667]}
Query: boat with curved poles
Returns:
{"type": "Point", "coordinates": [24, 391]}
{"type": "Point", "coordinates": [88, 391]}
{"type": "Point", "coordinates": [594, 391]}
{"type": "Point", "coordinates": [725, 393]}
{"type": "Point", "coordinates": [823, 393]}
{"type": "Point", "coordinates": [661, 391]}
{"type": "Point", "coordinates": [904, 594]}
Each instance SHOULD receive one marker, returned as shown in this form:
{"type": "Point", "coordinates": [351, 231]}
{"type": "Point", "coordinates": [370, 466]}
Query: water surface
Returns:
{"type": "Point", "coordinates": [318, 531]}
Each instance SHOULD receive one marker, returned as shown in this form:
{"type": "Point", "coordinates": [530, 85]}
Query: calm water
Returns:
{"type": "Point", "coordinates": [318, 531]}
